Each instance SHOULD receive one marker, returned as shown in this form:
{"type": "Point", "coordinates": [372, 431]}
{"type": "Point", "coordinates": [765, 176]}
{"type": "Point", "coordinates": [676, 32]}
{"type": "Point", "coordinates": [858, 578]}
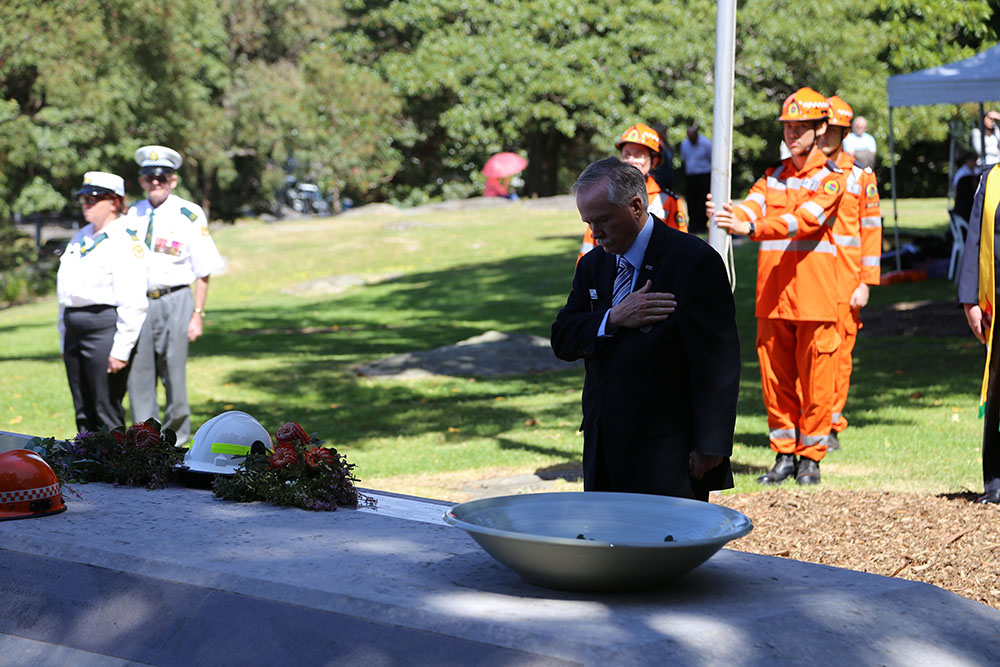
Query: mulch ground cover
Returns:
{"type": "Point", "coordinates": [944, 540]}
{"type": "Point", "coordinates": [947, 541]}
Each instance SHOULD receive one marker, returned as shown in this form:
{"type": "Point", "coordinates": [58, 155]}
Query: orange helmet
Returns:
{"type": "Point", "coordinates": [805, 104]}
{"type": "Point", "coordinates": [28, 486]}
{"type": "Point", "coordinates": [641, 134]}
{"type": "Point", "coordinates": [841, 112]}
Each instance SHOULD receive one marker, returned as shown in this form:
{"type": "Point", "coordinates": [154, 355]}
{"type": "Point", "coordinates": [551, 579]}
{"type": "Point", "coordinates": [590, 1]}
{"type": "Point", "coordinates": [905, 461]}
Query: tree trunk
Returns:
{"type": "Point", "coordinates": [541, 177]}
{"type": "Point", "coordinates": [206, 180]}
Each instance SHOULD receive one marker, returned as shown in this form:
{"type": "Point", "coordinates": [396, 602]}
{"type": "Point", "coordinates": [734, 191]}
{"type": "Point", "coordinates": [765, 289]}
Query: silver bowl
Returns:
{"type": "Point", "coordinates": [597, 541]}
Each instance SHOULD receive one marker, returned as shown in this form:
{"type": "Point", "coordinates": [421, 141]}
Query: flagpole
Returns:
{"type": "Point", "coordinates": [722, 127]}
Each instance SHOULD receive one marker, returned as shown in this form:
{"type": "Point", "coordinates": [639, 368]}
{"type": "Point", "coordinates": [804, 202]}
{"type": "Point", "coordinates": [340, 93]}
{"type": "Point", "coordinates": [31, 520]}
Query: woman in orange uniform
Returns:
{"type": "Point", "coordinates": [640, 147]}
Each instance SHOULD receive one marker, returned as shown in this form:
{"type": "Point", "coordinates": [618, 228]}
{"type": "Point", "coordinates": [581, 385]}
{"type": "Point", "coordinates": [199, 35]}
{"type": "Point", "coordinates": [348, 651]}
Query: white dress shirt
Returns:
{"type": "Point", "coordinates": [107, 268]}
{"type": "Point", "coordinates": [182, 248]}
{"type": "Point", "coordinates": [853, 143]}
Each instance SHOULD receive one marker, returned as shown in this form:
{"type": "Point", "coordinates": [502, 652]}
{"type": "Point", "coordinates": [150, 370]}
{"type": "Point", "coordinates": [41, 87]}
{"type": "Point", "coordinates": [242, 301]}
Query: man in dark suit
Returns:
{"type": "Point", "coordinates": [662, 371]}
{"type": "Point", "coordinates": [978, 296]}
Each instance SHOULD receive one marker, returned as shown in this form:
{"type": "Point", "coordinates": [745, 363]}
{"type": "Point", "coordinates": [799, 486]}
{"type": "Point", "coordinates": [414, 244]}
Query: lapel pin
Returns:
{"type": "Point", "coordinates": [593, 294]}
{"type": "Point", "coordinates": [649, 267]}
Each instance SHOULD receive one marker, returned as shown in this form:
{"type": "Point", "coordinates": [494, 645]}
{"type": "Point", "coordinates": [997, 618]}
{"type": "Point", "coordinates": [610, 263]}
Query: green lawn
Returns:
{"type": "Point", "coordinates": [281, 352]}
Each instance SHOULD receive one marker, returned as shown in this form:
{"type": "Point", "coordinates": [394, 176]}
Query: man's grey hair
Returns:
{"type": "Point", "coordinates": [623, 181]}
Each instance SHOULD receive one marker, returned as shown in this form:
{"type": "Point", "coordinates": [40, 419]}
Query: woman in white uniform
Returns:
{"type": "Point", "coordinates": [101, 286]}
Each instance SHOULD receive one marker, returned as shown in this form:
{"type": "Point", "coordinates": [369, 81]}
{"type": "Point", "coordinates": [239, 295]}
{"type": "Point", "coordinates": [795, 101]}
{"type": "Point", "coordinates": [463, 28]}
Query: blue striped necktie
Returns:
{"type": "Point", "coordinates": [623, 281]}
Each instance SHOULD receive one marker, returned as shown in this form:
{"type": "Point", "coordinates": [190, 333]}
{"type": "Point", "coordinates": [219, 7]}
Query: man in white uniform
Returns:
{"type": "Point", "coordinates": [176, 231]}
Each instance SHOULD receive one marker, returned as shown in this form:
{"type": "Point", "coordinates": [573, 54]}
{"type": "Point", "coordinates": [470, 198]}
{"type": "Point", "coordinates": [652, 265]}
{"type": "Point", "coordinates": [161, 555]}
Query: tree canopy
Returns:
{"type": "Point", "coordinates": [405, 99]}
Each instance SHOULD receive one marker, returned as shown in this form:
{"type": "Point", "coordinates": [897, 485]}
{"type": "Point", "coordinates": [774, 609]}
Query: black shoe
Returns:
{"type": "Point", "coordinates": [808, 471]}
{"type": "Point", "coordinates": [991, 497]}
{"type": "Point", "coordinates": [832, 442]}
{"type": "Point", "coordinates": [784, 467]}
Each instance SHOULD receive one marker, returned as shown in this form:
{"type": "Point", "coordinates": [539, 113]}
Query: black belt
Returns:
{"type": "Point", "coordinates": [163, 291]}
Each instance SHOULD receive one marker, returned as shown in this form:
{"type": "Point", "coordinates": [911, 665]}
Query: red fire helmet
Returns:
{"type": "Point", "coordinates": [28, 486]}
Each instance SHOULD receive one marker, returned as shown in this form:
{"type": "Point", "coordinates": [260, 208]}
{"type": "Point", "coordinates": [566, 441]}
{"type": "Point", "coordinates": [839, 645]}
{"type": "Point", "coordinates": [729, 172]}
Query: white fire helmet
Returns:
{"type": "Point", "coordinates": [222, 443]}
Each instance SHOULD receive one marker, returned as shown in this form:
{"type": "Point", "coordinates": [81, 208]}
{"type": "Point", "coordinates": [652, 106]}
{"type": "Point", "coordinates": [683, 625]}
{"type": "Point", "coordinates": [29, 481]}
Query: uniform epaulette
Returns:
{"type": "Point", "coordinates": [186, 212]}
{"type": "Point", "coordinates": [669, 193]}
{"type": "Point", "coordinates": [132, 234]}
{"type": "Point", "coordinates": [869, 170]}
{"type": "Point", "coordinates": [832, 166]}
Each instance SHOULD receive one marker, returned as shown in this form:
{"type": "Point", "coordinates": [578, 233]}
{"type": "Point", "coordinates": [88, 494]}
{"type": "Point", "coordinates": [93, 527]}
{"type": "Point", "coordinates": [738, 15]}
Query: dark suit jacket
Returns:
{"type": "Point", "coordinates": [968, 275]}
{"type": "Point", "coordinates": [651, 398]}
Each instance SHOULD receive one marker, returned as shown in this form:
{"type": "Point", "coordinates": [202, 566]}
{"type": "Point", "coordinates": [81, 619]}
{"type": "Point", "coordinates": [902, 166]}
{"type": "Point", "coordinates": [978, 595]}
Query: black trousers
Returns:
{"type": "Point", "coordinates": [697, 189]}
{"type": "Point", "coordinates": [991, 428]}
{"type": "Point", "coordinates": [97, 394]}
{"type": "Point", "coordinates": [698, 490]}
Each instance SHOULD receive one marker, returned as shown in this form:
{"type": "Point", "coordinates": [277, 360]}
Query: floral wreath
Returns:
{"type": "Point", "coordinates": [299, 471]}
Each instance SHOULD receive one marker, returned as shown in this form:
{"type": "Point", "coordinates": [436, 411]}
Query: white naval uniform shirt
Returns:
{"type": "Point", "coordinates": [182, 248]}
{"type": "Point", "coordinates": [105, 269]}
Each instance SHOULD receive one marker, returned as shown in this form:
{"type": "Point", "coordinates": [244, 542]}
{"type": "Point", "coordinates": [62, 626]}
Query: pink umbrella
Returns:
{"type": "Point", "coordinates": [503, 165]}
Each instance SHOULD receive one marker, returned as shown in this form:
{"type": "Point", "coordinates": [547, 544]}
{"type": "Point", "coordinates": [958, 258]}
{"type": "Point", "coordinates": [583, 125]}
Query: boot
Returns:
{"type": "Point", "coordinates": [808, 472]}
{"type": "Point", "coordinates": [832, 441]}
{"type": "Point", "coordinates": [989, 497]}
{"type": "Point", "coordinates": [784, 467]}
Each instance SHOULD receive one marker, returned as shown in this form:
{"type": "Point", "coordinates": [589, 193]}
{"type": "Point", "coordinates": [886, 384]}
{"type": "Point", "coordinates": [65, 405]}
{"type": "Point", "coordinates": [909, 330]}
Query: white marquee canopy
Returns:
{"type": "Point", "coordinates": [975, 79]}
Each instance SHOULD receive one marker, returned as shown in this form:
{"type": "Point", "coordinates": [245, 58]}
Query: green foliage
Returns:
{"type": "Point", "coordinates": [556, 80]}
{"type": "Point", "coordinates": [38, 196]}
{"type": "Point", "coordinates": [405, 99]}
{"type": "Point", "coordinates": [141, 455]}
{"type": "Point", "coordinates": [237, 86]}
{"type": "Point", "coordinates": [21, 276]}
{"type": "Point", "coordinates": [561, 80]}
{"type": "Point", "coordinates": [298, 472]}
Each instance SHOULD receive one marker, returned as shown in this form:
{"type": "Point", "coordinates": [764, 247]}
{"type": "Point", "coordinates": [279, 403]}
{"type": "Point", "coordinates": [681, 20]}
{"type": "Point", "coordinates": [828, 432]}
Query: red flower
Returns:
{"type": "Point", "coordinates": [290, 432]}
{"type": "Point", "coordinates": [144, 436]}
{"type": "Point", "coordinates": [119, 436]}
{"type": "Point", "coordinates": [317, 456]}
{"type": "Point", "coordinates": [283, 455]}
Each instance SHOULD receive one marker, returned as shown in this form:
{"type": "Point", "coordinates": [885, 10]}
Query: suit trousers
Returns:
{"type": "Point", "coordinates": [640, 481]}
{"type": "Point", "coordinates": [161, 355]}
{"type": "Point", "coordinates": [798, 364]}
{"type": "Point", "coordinates": [848, 324]}
{"type": "Point", "coordinates": [991, 426]}
{"type": "Point", "coordinates": [97, 394]}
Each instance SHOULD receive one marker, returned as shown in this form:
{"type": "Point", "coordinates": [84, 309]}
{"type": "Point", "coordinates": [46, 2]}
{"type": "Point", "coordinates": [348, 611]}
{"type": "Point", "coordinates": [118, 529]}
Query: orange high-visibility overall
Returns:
{"type": "Point", "coordinates": [858, 235]}
{"type": "Point", "coordinates": [664, 204]}
{"type": "Point", "coordinates": [794, 212]}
